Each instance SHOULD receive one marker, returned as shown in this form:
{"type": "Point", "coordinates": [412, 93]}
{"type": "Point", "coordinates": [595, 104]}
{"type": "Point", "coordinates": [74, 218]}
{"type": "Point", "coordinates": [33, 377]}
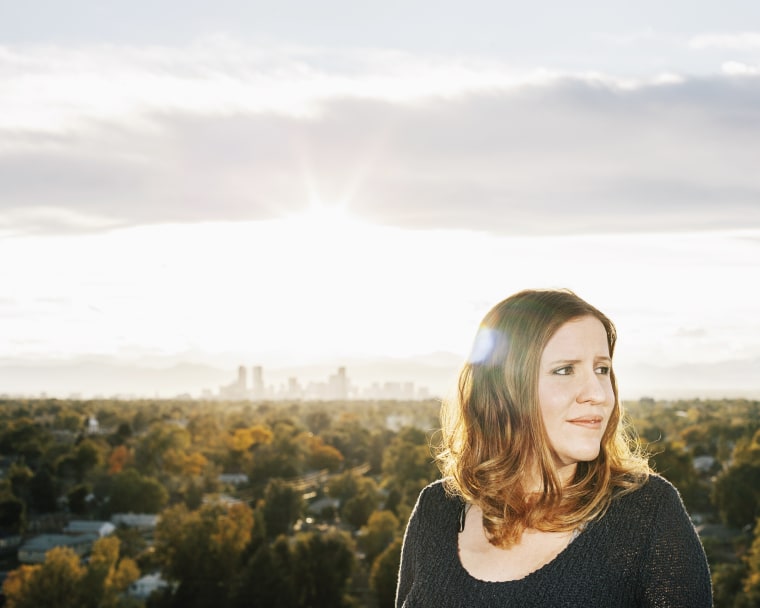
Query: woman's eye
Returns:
{"type": "Point", "coordinates": [603, 370]}
{"type": "Point", "coordinates": [564, 371]}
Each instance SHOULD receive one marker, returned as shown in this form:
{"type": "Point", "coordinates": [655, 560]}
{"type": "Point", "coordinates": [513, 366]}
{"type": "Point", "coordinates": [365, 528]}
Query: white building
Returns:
{"type": "Point", "coordinates": [33, 551]}
{"type": "Point", "coordinates": [80, 526]}
{"type": "Point", "coordinates": [144, 586]}
{"type": "Point", "coordinates": [141, 521]}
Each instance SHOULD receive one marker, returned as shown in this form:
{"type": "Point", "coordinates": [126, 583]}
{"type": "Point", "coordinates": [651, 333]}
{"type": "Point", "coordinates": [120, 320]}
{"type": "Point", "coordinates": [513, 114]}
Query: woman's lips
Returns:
{"type": "Point", "coordinates": [589, 422]}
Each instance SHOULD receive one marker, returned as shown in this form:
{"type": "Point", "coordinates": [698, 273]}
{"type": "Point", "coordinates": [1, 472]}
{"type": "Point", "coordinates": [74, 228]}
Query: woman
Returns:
{"type": "Point", "coordinates": [544, 502]}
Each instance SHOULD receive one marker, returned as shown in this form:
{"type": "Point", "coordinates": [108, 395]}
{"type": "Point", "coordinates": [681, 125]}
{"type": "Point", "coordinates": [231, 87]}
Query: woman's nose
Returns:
{"type": "Point", "coordinates": [592, 389]}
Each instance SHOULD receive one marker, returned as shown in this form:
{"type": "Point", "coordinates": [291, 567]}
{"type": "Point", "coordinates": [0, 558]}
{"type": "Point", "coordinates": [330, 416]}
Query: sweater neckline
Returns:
{"type": "Point", "coordinates": [540, 571]}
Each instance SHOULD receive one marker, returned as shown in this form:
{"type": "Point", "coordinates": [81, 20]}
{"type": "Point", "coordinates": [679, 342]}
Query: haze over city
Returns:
{"type": "Point", "coordinates": [186, 188]}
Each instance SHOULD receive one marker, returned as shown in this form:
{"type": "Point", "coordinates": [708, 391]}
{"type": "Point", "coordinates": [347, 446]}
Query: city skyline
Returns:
{"type": "Point", "coordinates": [229, 183]}
{"type": "Point", "coordinates": [336, 387]}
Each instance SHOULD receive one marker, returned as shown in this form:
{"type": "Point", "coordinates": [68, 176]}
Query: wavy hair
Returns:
{"type": "Point", "coordinates": [493, 432]}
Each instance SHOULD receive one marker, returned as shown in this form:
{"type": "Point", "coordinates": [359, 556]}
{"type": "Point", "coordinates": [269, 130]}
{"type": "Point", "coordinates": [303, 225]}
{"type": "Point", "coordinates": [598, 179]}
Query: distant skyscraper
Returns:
{"type": "Point", "coordinates": [294, 390]}
{"type": "Point", "coordinates": [258, 383]}
{"type": "Point", "coordinates": [238, 388]}
{"type": "Point", "coordinates": [338, 385]}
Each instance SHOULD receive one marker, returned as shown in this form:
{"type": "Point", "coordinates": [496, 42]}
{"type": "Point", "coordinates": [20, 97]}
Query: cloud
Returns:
{"type": "Point", "coordinates": [414, 142]}
{"type": "Point", "coordinates": [741, 41]}
{"type": "Point", "coordinates": [737, 68]}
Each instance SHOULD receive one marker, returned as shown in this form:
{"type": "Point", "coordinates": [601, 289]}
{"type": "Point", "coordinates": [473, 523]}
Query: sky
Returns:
{"type": "Point", "coordinates": [292, 183]}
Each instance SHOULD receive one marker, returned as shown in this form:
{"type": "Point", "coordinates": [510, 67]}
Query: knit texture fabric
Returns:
{"type": "Point", "coordinates": [643, 552]}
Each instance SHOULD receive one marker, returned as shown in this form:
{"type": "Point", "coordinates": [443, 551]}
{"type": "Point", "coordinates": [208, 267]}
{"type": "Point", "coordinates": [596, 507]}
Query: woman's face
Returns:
{"type": "Point", "coordinates": [575, 391]}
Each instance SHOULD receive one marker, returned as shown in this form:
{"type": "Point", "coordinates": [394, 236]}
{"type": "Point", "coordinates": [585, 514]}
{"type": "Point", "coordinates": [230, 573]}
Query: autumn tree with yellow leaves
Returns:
{"type": "Point", "coordinates": [62, 581]}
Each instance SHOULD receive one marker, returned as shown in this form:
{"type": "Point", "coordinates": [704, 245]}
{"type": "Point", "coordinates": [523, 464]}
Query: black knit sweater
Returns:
{"type": "Point", "coordinates": [643, 552]}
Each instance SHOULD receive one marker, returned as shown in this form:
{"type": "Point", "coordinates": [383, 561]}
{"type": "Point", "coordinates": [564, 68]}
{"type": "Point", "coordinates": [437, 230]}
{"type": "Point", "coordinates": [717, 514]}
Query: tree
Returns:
{"type": "Point", "coordinates": [202, 550]}
{"type": "Point", "coordinates": [359, 496]}
{"type": "Point", "coordinates": [408, 464]}
{"type": "Point", "coordinates": [242, 440]}
{"type": "Point", "coordinates": [42, 491]}
{"type": "Point", "coordinates": [120, 456]}
{"type": "Point", "coordinates": [12, 513]}
{"type": "Point", "coordinates": [676, 464]}
{"type": "Point", "coordinates": [727, 584]}
{"type": "Point", "coordinates": [736, 494]}
{"type": "Point", "coordinates": [25, 438]}
{"type": "Point", "coordinates": [381, 529]}
{"type": "Point", "coordinates": [193, 464]}
{"type": "Point", "coordinates": [322, 564]}
{"type": "Point", "coordinates": [152, 448]}
{"type": "Point", "coordinates": [282, 507]}
{"type": "Point", "coordinates": [751, 583]}
{"type": "Point", "coordinates": [54, 584]}
{"type": "Point", "coordinates": [384, 573]}
{"type": "Point", "coordinates": [77, 498]}
{"type": "Point", "coordinates": [132, 543]}
{"type": "Point", "coordinates": [107, 576]}
{"type": "Point", "coordinates": [87, 456]}
{"type": "Point", "coordinates": [350, 438]}
{"type": "Point", "coordinates": [20, 477]}
{"type": "Point", "coordinates": [131, 492]}
{"type": "Point", "coordinates": [318, 421]}
{"type": "Point", "coordinates": [358, 509]}
{"type": "Point", "coordinates": [61, 581]}
{"type": "Point", "coordinates": [322, 455]}
{"type": "Point", "coordinates": [267, 578]}
{"type": "Point", "coordinates": [283, 457]}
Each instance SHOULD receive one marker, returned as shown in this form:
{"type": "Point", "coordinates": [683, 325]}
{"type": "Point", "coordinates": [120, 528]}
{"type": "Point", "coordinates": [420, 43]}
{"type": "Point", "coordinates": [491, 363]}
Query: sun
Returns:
{"type": "Point", "coordinates": [324, 225]}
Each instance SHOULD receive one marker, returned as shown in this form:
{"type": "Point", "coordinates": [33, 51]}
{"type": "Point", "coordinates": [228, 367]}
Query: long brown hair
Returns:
{"type": "Point", "coordinates": [493, 432]}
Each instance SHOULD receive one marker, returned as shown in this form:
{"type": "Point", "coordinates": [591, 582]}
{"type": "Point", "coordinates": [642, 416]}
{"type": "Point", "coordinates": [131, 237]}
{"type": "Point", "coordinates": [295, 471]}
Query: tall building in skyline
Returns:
{"type": "Point", "coordinates": [337, 385]}
{"type": "Point", "coordinates": [258, 390]}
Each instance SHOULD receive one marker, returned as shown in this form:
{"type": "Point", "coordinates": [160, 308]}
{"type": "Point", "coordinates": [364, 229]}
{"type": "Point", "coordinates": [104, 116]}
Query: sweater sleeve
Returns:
{"type": "Point", "coordinates": [408, 556]}
{"type": "Point", "coordinates": [675, 573]}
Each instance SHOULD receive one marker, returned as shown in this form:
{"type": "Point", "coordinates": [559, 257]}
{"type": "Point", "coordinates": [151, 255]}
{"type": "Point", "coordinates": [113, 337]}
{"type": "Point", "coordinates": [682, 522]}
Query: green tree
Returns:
{"type": "Point", "coordinates": [350, 438]}
{"type": "Point", "coordinates": [751, 583]}
{"type": "Point", "coordinates": [27, 439]}
{"type": "Point", "coordinates": [282, 506]}
{"type": "Point", "coordinates": [359, 496]}
{"type": "Point", "coordinates": [284, 456]}
{"type": "Point", "coordinates": [267, 578]}
{"type": "Point", "coordinates": [77, 498]}
{"type": "Point", "coordinates": [133, 543]}
{"type": "Point", "coordinates": [88, 455]}
{"type": "Point", "coordinates": [676, 464]}
{"type": "Point", "coordinates": [357, 510]}
{"type": "Point", "coordinates": [384, 573]}
{"type": "Point", "coordinates": [382, 527]}
{"type": "Point", "coordinates": [43, 491]}
{"type": "Point", "coordinates": [408, 465]}
{"type": "Point", "coordinates": [20, 477]}
{"type": "Point", "coordinates": [736, 494]}
{"type": "Point", "coordinates": [152, 448]}
{"type": "Point", "coordinates": [12, 513]}
{"type": "Point", "coordinates": [322, 565]}
{"type": "Point", "coordinates": [131, 492]}
{"type": "Point", "coordinates": [727, 584]}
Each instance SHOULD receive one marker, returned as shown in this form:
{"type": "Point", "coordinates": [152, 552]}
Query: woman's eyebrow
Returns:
{"type": "Point", "coordinates": [564, 361]}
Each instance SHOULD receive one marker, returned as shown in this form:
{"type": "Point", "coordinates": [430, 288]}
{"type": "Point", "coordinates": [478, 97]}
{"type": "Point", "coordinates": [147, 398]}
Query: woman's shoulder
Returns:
{"type": "Point", "coordinates": [437, 491]}
{"type": "Point", "coordinates": [657, 486]}
{"type": "Point", "coordinates": [654, 492]}
{"type": "Point", "coordinates": [437, 496]}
